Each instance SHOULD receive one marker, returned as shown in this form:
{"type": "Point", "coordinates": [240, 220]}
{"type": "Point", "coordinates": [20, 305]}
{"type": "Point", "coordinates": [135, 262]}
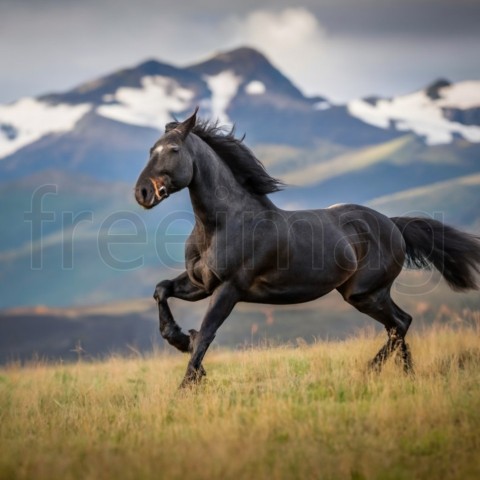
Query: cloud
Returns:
{"type": "Point", "coordinates": [52, 47]}
{"type": "Point", "coordinates": [75, 42]}
{"type": "Point", "coordinates": [292, 38]}
{"type": "Point", "coordinates": [339, 48]}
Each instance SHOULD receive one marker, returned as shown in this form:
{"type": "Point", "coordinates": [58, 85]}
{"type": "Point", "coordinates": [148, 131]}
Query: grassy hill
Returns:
{"type": "Point", "coordinates": [331, 174]}
{"type": "Point", "coordinates": [78, 256]}
{"type": "Point", "coordinates": [452, 201]}
{"type": "Point", "coordinates": [119, 327]}
{"type": "Point", "coordinates": [282, 413]}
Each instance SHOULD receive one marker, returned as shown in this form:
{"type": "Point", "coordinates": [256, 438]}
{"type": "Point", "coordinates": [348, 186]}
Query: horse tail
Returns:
{"type": "Point", "coordinates": [455, 254]}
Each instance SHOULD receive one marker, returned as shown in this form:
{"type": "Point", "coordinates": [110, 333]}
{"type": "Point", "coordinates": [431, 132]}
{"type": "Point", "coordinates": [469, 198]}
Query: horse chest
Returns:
{"type": "Point", "coordinates": [210, 261]}
{"type": "Point", "coordinates": [202, 275]}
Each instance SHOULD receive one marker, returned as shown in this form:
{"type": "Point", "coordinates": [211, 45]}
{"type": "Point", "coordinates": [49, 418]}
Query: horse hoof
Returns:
{"type": "Point", "coordinates": [193, 377]}
{"type": "Point", "coordinates": [374, 366]}
{"type": "Point", "coordinates": [186, 384]}
{"type": "Point", "coordinates": [190, 383]}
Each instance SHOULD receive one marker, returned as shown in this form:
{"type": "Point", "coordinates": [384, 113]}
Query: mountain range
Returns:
{"type": "Point", "coordinates": [104, 127]}
{"type": "Point", "coordinates": [417, 152]}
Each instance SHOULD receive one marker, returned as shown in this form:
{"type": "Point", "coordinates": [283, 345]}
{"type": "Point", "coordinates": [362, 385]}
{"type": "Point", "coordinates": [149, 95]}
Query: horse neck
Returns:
{"type": "Point", "coordinates": [215, 194]}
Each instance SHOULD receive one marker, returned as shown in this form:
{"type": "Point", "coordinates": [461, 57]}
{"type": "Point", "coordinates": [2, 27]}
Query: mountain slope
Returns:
{"type": "Point", "coordinates": [95, 245]}
{"type": "Point", "coordinates": [240, 86]}
{"type": "Point", "coordinates": [452, 201]}
{"type": "Point", "coordinates": [360, 175]}
{"type": "Point", "coordinates": [438, 113]}
{"type": "Point", "coordinates": [104, 121]}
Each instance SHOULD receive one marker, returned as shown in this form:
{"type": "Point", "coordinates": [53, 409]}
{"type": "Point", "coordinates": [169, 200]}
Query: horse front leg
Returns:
{"type": "Point", "coordinates": [182, 288]}
{"type": "Point", "coordinates": [223, 300]}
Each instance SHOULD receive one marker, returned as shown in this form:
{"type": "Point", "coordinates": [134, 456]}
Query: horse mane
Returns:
{"type": "Point", "coordinates": [245, 166]}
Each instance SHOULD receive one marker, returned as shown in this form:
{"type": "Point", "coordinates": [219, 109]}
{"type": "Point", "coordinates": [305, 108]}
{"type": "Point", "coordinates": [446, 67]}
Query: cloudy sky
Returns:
{"type": "Point", "coordinates": [338, 48]}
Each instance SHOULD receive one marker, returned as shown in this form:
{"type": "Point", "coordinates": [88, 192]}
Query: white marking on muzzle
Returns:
{"type": "Point", "coordinates": [163, 192]}
{"type": "Point", "coordinates": [160, 193]}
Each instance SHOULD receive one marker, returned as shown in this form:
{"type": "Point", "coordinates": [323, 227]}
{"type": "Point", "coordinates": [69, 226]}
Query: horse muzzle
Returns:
{"type": "Point", "coordinates": [151, 193]}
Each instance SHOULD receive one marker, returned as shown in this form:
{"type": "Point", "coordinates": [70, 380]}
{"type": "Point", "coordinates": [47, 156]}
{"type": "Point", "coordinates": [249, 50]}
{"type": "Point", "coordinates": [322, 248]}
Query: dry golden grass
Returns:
{"type": "Point", "coordinates": [306, 412]}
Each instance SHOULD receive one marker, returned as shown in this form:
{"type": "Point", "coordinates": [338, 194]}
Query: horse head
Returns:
{"type": "Point", "coordinates": [170, 166]}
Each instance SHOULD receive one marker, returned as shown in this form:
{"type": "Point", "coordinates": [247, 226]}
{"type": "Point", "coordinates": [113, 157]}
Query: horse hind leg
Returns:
{"type": "Point", "coordinates": [380, 306]}
{"type": "Point", "coordinates": [405, 357]}
{"type": "Point", "coordinates": [404, 354]}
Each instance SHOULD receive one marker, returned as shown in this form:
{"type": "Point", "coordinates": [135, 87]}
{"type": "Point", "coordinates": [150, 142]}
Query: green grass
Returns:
{"type": "Point", "coordinates": [306, 412]}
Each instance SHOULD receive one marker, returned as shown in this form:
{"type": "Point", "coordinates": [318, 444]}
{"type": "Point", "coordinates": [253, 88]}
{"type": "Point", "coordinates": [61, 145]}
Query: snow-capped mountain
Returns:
{"type": "Point", "coordinates": [438, 113]}
{"type": "Point", "coordinates": [245, 78]}
{"type": "Point", "coordinates": [151, 94]}
{"type": "Point", "coordinates": [28, 120]}
{"type": "Point", "coordinates": [104, 127]}
{"type": "Point", "coordinates": [144, 96]}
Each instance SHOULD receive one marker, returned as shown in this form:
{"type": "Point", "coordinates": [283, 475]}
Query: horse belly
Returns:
{"type": "Point", "coordinates": [265, 290]}
{"type": "Point", "coordinates": [309, 272]}
{"type": "Point", "coordinates": [287, 297]}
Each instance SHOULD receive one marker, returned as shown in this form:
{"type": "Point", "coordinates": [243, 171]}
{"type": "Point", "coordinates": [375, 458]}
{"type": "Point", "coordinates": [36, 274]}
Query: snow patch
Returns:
{"type": "Point", "coordinates": [255, 87]}
{"type": "Point", "coordinates": [462, 95]}
{"type": "Point", "coordinates": [150, 105]}
{"type": "Point", "coordinates": [108, 98]}
{"type": "Point", "coordinates": [322, 105]}
{"type": "Point", "coordinates": [28, 120]}
{"type": "Point", "coordinates": [418, 113]}
{"type": "Point", "coordinates": [368, 113]}
{"type": "Point", "coordinates": [224, 87]}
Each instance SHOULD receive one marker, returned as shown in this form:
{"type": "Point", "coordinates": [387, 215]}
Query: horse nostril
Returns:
{"type": "Point", "coordinates": [144, 193]}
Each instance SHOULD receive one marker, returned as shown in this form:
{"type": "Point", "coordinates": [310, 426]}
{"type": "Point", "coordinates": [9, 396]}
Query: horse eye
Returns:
{"type": "Point", "coordinates": [174, 148]}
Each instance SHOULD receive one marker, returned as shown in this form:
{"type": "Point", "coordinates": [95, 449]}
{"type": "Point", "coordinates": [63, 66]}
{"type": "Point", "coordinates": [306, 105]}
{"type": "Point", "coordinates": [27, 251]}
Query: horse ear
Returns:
{"type": "Point", "coordinates": [186, 126]}
{"type": "Point", "coordinates": [171, 126]}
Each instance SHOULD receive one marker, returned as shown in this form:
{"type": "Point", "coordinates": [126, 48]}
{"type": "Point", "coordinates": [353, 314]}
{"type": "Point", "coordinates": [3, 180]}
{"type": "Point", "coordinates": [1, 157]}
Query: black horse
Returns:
{"type": "Point", "coordinates": [244, 248]}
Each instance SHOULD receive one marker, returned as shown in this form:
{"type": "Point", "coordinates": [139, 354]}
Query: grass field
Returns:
{"type": "Point", "coordinates": [288, 412]}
